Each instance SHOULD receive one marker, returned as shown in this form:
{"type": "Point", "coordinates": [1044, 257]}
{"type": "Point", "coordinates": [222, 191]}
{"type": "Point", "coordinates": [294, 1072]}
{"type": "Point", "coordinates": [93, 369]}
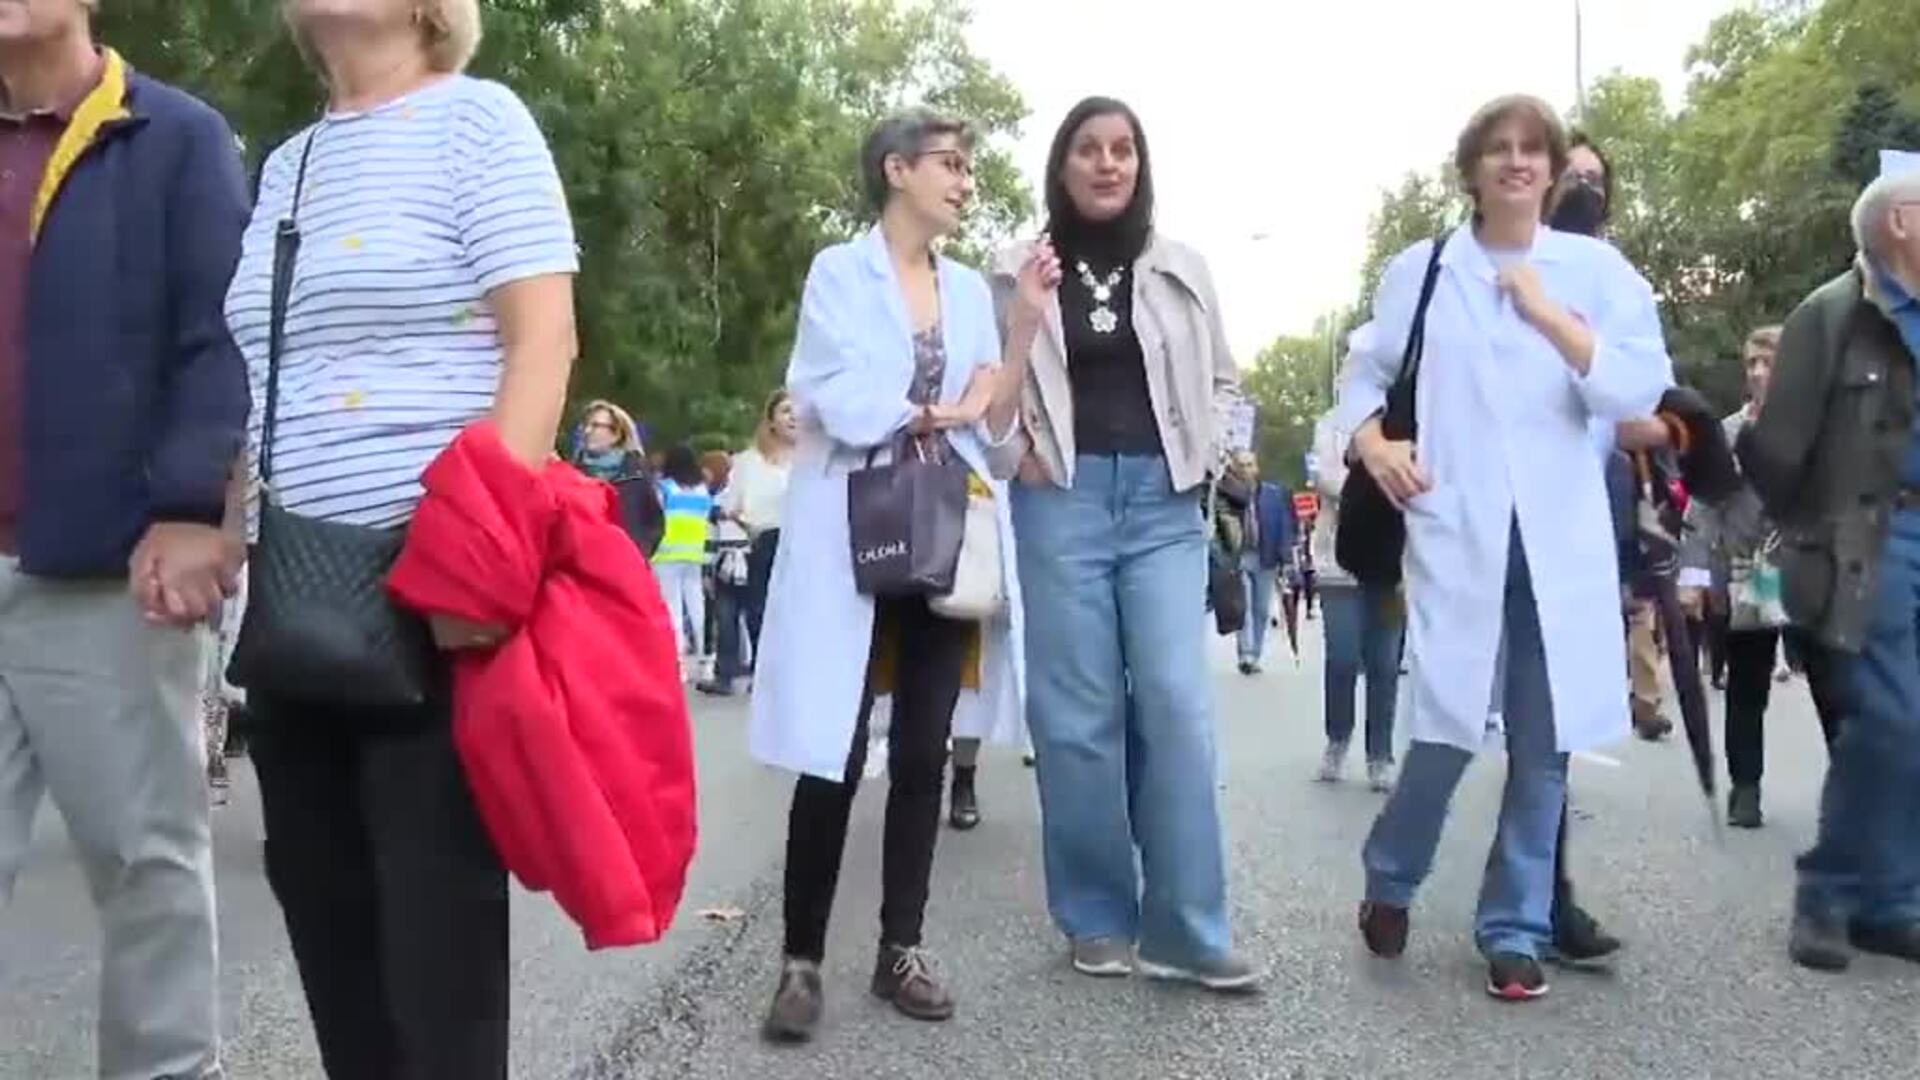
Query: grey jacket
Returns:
{"type": "Point", "coordinates": [1826, 453]}
{"type": "Point", "coordinates": [1733, 531]}
{"type": "Point", "coordinates": [1191, 375]}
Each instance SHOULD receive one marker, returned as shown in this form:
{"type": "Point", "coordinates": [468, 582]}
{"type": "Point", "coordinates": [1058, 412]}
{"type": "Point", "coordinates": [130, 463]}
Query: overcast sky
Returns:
{"type": "Point", "coordinates": [1284, 119]}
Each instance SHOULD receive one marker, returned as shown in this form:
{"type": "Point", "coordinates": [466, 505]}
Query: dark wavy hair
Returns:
{"type": "Point", "coordinates": [1123, 238]}
{"type": "Point", "coordinates": [682, 467]}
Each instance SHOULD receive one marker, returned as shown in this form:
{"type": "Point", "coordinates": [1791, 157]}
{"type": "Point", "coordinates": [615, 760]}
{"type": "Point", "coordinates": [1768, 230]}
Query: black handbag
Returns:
{"type": "Point", "coordinates": [1371, 540]}
{"type": "Point", "coordinates": [1226, 593]}
{"type": "Point", "coordinates": [906, 519]}
{"type": "Point", "coordinates": [319, 627]}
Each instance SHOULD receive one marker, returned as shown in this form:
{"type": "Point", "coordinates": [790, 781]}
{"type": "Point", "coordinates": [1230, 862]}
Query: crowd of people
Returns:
{"type": "Point", "coordinates": [984, 507]}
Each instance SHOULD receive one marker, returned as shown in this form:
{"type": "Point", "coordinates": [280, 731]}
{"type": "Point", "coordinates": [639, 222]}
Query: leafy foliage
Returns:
{"type": "Point", "coordinates": [709, 149]}
{"type": "Point", "coordinates": [1735, 206]}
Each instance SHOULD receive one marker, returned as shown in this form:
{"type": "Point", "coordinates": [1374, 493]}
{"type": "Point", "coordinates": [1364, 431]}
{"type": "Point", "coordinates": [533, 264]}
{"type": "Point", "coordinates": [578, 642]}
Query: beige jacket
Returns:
{"type": "Point", "coordinates": [1191, 375]}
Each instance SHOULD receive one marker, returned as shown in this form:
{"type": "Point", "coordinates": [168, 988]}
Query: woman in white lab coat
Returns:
{"type": "Point", "coordinates": [894, 340]}
{"type": "Point", "coordinates": [1513, 587]}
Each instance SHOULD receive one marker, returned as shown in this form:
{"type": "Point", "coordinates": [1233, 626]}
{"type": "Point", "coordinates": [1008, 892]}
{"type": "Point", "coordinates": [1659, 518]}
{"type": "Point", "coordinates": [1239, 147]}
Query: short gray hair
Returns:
{"type": "Point", "coordinates": [905, 134]}
{"type": "Point", "coordinates": [1876, 205]}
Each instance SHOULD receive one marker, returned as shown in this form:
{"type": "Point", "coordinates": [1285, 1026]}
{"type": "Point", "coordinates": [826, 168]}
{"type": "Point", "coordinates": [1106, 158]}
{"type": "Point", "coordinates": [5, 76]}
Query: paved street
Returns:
{"type": "Point", "coordinates": [1705, 989]}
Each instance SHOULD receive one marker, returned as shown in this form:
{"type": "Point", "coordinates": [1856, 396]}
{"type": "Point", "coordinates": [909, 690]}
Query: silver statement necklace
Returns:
{"type": "Point", "coordinates": [1101, 318]}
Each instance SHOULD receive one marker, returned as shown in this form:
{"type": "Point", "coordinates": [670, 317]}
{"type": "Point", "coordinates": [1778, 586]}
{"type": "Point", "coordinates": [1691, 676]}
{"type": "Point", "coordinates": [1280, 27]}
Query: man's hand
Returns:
{"type": "Point", "coordinates": [181, 571]}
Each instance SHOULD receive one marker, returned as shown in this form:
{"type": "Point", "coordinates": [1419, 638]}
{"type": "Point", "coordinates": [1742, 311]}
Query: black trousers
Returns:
{"type": "Point", "coordinates": [1751, 656]}
{"type": "Point", "coordinates": [394, 899]}
{"type": "Point", "coordinates": [932, 656]}
{"type": "Point", "coordinates": [1821, 665]}
{"type": "Point", "coordinates": [759, 576]}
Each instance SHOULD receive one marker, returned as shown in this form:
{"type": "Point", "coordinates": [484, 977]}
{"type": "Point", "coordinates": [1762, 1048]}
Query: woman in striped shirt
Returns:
{"type": "Point", "coordinates": [433, 287]}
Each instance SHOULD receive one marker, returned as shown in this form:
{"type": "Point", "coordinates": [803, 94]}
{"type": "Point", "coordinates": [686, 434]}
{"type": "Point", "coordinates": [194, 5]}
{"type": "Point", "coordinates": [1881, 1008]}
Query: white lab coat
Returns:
{"type": "Point", "coordinates": [851, 366]}
{"type": "Point", "coordinates": [1506, 430]}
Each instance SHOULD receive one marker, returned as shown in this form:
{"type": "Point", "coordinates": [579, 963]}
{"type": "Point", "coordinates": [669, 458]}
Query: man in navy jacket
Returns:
{"type": "Point", "coordinates": [1264, 531]}
{"type": "Point", "coordinates": [123, 406]}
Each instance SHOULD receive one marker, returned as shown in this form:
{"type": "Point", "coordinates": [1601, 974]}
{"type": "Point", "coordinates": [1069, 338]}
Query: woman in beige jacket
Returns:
{"type": "Point", "coordinates": [1123, 387]}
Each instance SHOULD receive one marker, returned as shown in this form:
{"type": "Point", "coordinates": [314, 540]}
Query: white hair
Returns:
{"type": "Point", "coordinates": [1875, 207]}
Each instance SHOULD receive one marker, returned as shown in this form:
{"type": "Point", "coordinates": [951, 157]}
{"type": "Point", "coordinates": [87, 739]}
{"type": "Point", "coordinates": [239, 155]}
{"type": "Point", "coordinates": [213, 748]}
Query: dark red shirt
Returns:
{"type": "Point", "coordinates": [26, 145]}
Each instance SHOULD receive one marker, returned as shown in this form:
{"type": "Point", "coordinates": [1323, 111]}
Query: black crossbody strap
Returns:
{"type": "Point", "coordinates": [1417, 336]}
{"type": "Point", "coordinates": [1416, 348]}
{"type": "Point", "coordinates": [286, 249]}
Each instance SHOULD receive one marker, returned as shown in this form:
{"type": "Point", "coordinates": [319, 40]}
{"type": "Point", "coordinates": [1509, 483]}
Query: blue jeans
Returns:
{"type": "Point", "coordinates": [1516, 895]}
{"type": "Point", "coordinates": [1865, 864]}
{"type": "Point", "coordinates": [1120, 707]}
{"type": "Point", "coordinates": [1363, 628]}
{"type": "Point", "coordinates": [1259, 583]}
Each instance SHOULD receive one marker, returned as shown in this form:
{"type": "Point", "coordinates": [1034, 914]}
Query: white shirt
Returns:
{"type": "Point", "coordinates": [756, 490]}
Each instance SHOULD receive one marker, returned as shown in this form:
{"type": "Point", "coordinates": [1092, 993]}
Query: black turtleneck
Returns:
{"type": "Point", "coordinates": [1112, 408]}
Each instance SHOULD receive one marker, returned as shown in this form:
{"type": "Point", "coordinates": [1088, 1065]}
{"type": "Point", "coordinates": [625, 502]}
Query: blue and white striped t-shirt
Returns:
{"type": "Point", "coordinates": [412, 212]}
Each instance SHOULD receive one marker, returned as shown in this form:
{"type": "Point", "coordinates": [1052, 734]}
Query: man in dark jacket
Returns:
{"type": "Point", "coordinates": [1835, 456]}
{"type": "Point", "coordinates": [1263, 531]}
{"type": "Point", "coordinates": [122, 408]}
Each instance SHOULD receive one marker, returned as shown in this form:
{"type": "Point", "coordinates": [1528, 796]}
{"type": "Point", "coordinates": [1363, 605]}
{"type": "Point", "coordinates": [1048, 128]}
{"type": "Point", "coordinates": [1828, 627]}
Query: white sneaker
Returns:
{"type": "Point", "coordinates": [1380, 776]}
{"type": "Point", "coordinates": [1334, 764]}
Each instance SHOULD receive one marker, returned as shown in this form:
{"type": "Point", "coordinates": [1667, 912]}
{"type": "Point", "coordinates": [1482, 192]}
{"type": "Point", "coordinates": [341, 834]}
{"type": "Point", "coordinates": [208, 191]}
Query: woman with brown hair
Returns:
{"type": "Point", "coordinates": [1513, 588]}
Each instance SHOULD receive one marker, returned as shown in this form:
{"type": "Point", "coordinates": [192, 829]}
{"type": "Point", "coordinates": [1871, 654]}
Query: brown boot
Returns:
{"type": "Point", "coordinates": [796, 1004]}
{"type": "Point", "coordinates": [905, 977]}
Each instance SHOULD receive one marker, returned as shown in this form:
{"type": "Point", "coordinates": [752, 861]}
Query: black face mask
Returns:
{"type": "Point", "coordinates": [1582, 209]}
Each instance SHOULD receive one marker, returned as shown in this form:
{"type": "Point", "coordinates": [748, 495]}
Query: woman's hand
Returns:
{"type": "Point", "coordinates": [1391, 464]}
{"type": "Point", "coordinates": [1567, 331]}
{"type": "Point", "coordinates": [1034, 288]}
{"type": "Point", "coordinates": [458, 635]}
{"type": "Point", "coordinates": [969, 410]}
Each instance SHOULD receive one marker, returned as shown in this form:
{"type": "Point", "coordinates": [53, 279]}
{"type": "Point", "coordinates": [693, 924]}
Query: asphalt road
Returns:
{"type": "Point", "coordinates": [1704, 989]}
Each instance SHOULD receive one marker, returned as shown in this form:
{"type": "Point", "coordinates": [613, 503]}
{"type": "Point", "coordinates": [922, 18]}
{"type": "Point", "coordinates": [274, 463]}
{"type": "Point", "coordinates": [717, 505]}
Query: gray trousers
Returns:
{"type": "Point", "coordinates": [100, 709]}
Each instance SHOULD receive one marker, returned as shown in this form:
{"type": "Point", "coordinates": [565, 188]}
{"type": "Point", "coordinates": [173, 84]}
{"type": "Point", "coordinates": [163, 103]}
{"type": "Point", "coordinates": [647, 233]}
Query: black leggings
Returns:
{"type": "Point", "coordinates": [931, 657]}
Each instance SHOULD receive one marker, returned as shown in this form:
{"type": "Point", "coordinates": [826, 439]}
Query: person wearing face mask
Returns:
{"type": "Point", "coordinates": [1584, 205]}
{"type": "Point", "coordinates": [1531, 336]}
{"type": "Point", "coordinates": [1123, 411]}
{"type": "Point", "coordinates": [895, 342]}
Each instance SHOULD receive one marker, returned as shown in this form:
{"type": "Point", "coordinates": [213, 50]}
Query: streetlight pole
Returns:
{"type": "Point", "coordinates": [1579, 63]}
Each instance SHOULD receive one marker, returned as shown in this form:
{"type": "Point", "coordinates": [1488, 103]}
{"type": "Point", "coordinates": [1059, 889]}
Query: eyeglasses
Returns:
{"type": "Point", "coordinates": [958, 162]}
{"type": "Point", "coordinates": [600, 425]}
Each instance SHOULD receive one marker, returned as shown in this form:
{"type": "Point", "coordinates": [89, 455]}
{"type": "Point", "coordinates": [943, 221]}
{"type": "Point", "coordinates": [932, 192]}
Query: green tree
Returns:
{"type": "Point", "coordinates": [1423, 206]}
{"type": "Point", "coordinates": [708, 147]}
{"type": "Point", "coordinates": [1291, 383]}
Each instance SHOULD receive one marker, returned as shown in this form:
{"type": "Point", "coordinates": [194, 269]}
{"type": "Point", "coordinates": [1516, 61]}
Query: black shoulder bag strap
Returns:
{"type": "Point", "coordinates": [1399, 421]}
{"type": "Point", "coordinates": [286, 249]}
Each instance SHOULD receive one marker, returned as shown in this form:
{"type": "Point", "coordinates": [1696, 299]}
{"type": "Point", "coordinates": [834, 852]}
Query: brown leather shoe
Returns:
{"type": "Point", "coordinates": [905, 977]}
{"type": "Point", "coordinates": [796, 1004]}
{"type": "Point", "coordinates": [1385, 928]}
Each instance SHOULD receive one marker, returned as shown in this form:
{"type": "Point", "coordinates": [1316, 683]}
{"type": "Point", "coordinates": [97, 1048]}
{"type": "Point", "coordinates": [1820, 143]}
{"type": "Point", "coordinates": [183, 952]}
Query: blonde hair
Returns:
{"type": "Point", "coordinates": [626, 432]}
{"type": "Point", "coordinates": [764, 438]}
{"type": "Point", "coordinates": [449, 32]}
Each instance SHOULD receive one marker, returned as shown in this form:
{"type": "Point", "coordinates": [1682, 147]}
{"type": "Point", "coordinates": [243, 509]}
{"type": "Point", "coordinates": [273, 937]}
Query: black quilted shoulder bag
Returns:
{"type": "Point", "coordinates": [1370, 541]}
{"type": "Point", "coordinates": [319, 628]}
